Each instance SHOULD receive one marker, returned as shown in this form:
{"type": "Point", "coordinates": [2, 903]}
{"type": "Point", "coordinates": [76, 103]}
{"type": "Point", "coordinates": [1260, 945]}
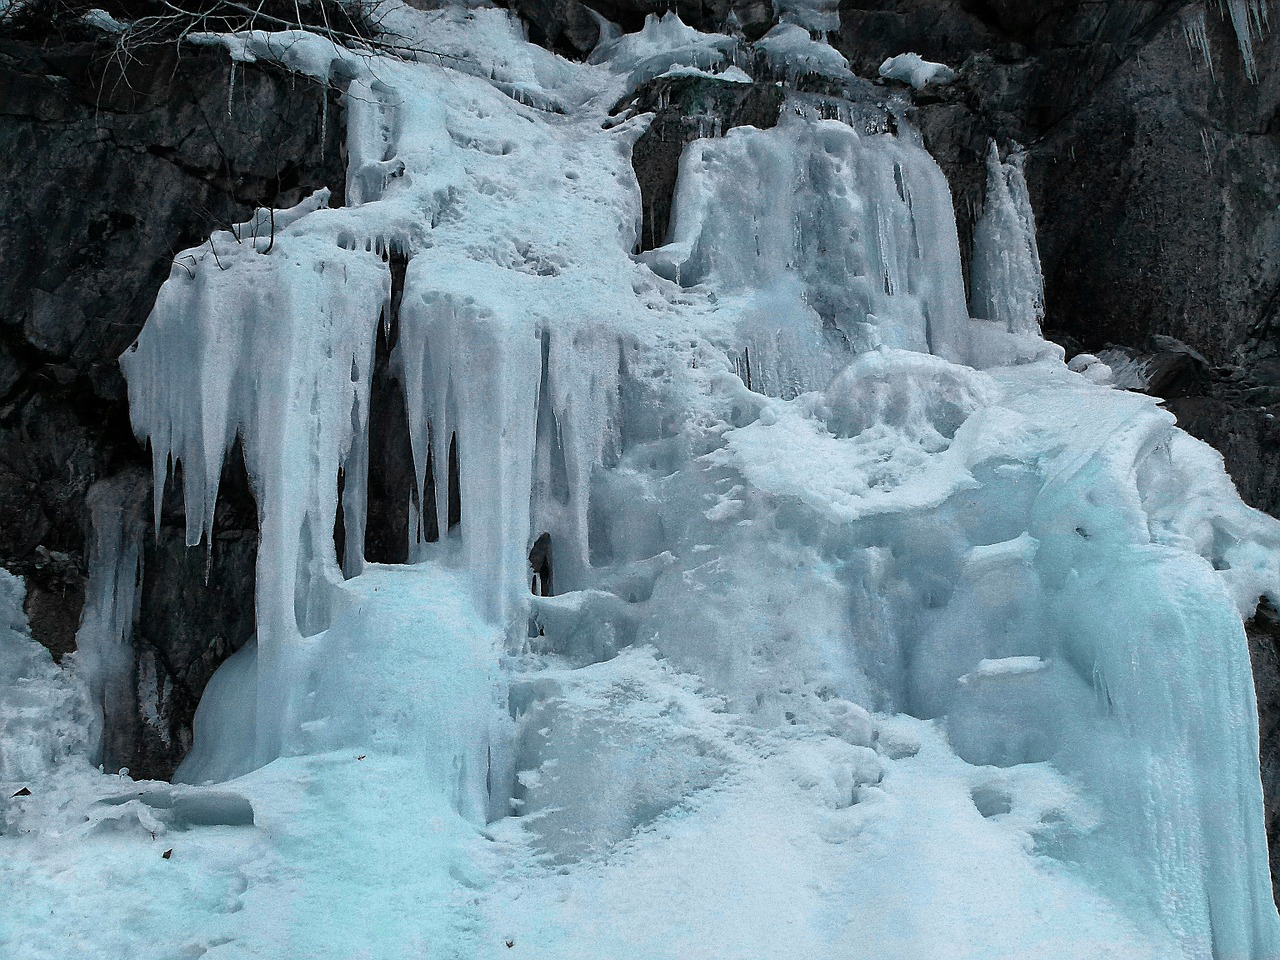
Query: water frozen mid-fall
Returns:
{"type": "Point", "coordinates": [767, 596]}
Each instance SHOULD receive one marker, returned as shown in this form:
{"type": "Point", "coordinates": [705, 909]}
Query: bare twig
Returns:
{"type": "Point", "coordinates": [216, 259]}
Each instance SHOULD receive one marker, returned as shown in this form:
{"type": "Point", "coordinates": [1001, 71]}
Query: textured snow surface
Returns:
{"type": "Point", "coordinates": [875, 629]}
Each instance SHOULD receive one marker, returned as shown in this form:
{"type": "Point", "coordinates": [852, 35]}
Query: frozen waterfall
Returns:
{"type": "Point", "coordinates": [852, 617]}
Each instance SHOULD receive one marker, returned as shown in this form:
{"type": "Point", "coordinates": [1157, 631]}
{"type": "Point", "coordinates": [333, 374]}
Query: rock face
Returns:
{"type": "Point", "coordinates": [107, 173]}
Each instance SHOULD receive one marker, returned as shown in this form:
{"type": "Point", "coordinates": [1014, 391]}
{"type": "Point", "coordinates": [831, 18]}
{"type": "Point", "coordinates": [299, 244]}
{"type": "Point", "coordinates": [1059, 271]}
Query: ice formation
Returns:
{"type": "Point", "coordinates": [44, 713]}
{"type": "Point", "coordinates": [1004, 278]}
{"type": "Point", "coordinates": [914, 69]}
{"type": "Point", "coordinates": [1250, 20]}
{"type": "Point", "coordinates": [1195, 30]}
{"type": "Point", "coordinates": [760, 598]}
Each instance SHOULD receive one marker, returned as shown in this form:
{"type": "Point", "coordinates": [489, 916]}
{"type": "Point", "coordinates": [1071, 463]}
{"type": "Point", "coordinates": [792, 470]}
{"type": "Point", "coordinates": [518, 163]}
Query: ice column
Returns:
{"type": "Point", "coordinates": [861, 228]}
{"type": "Point", "coordinates": [1154, 632]}
{"type": "Point", "coordinates": [581, 390]}
{"type": "Point", "coordinates": [1005, 279]}
{"type": "Point", "coordinates": [104, 653]}
{"type": "Point", "coordinates": [472, 377]}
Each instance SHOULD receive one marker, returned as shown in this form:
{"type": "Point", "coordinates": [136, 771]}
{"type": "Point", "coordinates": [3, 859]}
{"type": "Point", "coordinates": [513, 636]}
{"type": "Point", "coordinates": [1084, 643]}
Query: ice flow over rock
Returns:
{"type": "Point", "coordinates": [752, 581]}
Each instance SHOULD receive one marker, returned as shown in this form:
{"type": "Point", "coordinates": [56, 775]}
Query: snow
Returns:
{"type": "Point", "coordinates": [1004, 667]}
{"type": "Point", "coordinates": [103, 21]}
{"type": "Point", "coordinates": [664, 43]}
{"type": "Point", "coordinates": [792, 53]}
{"type": "Point", "coordinates": [729, 74]}
{"type": "Point", "coordinates": [872, 622]}
{"type": "Point", "coordinates": [913, 69]}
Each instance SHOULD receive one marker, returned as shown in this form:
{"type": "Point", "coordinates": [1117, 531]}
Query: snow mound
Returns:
{"type": "Point", "coordinates": [913, 69]}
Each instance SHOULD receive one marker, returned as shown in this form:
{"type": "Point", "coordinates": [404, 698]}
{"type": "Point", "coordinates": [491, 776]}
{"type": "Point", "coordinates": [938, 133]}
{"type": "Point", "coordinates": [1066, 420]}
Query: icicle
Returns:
{"type": "Point", "coordinates": [1195, 31]}
{"type": "Point", "coordinates": [470, 376]}
{"type": "Point", "coordinates": [266, 347]}
{"type": "Point", "coordinates": [1250, 20]}
{"type": "Point", "coordinates": [104, 656]}
{"type": "Point", "coordinates": [582, 388]}
{"type": "Point", "coordinates": [1005, 279]}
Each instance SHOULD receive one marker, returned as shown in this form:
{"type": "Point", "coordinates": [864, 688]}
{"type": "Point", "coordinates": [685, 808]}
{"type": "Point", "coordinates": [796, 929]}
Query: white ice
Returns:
{"type": "Point", "coordinates": [874, 626]}
{"type": "Point", "coordinates": [916, 70]}
{"type": "Point", "coordinates": [1005, 282]}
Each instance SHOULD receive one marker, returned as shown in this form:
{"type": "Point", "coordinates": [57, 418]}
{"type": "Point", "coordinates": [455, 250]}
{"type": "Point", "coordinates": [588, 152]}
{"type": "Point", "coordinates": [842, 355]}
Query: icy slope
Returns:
{"type": "Point", "coordinates": [874, 630]}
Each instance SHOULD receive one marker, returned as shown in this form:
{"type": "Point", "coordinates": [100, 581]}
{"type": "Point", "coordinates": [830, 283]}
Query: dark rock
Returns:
{"type": "Point", "coordinates": [1248, 438]}
{"type": "Point", "coordinates": [1264, 652]}
{"type": "Point", "coordinates": [1175, 370]}
{"type": "Point", "coordinates": [565, 26]}
{"type": "Point", "coordinates": [392, 477]}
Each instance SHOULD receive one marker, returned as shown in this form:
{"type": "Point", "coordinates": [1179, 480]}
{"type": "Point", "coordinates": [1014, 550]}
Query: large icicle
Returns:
{"type": "Point", "coordinates": [104, 658]}
{"type": "Point", "coordinates": [1006, 284]}
{"type": "Point", "coordinates": [1250, 20]}
{"type": "Point", "coordinates": [472, 378]}
{"type": "Point", "coordinates": [276, 347]}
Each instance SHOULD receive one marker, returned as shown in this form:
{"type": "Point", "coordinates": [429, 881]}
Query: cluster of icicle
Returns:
{"type": "Point", "coordinates": [1250, 19]}
{"type": "Point", "coordinates": [1005, 279]}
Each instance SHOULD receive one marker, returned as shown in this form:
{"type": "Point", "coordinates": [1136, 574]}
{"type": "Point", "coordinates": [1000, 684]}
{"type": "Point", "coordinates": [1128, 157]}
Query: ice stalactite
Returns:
{"type": "Point", "coordinates": [1250, 19]}
{"type": "Point", "coordinates": [277, 348]}
{"type": "Point", "coordinates": [472, 378]}
{"type": "Point", "coordinates": [104, 657]}
{"type": "Point", "coordinates": [1195, 31]}
{"type": "Point", "coordinates": [1006, 285]}
{"type": "Point", "coordinates": [582, 389]}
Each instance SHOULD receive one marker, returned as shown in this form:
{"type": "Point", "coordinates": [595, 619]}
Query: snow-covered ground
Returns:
{"type": "Point", "coordinates": [877, 632]}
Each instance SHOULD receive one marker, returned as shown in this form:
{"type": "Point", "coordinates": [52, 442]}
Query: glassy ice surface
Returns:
{"type": "Point", "coordinates": [857, 625]}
